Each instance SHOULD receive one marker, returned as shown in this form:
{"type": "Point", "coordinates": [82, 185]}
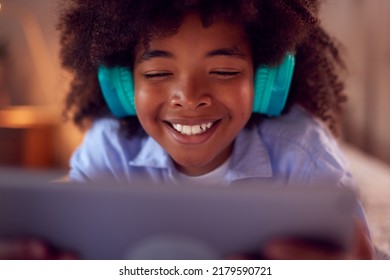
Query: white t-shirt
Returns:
{"type": "Point", "coordinates": [212, 178]}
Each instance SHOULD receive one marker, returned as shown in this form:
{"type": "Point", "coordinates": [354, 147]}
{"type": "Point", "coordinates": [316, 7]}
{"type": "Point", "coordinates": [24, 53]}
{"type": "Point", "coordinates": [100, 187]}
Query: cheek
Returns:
{"type": "Point", "coordinates": [146, 97]}
{"type": "Point", "coordinates": [248, 98]}
{"type": "Point", "coordinates": [146, 105]}
{"type": "Point", "coordinates": [244, 95]}
{"type": "Point", "coordinates": [141, 103]}
{"type": "Point", "coordinates": [242, 100]}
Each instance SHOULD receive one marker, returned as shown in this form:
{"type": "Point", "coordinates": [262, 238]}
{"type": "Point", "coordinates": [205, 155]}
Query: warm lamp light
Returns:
{"type": "Point", "coordinates": [36, 44]}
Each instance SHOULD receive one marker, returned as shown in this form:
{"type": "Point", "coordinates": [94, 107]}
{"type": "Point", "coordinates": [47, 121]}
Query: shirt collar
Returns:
{"type": "Point", "coordinates": [152, 155]}
{"type": "Point", "coordinates": [250, 157]}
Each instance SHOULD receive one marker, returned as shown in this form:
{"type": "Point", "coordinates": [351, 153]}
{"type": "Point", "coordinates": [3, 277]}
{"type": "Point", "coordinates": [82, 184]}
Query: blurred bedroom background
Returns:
{"type": "Point", "coordinates": [32, 88]}
{"type": "Point", "coordinates": [32, 85]}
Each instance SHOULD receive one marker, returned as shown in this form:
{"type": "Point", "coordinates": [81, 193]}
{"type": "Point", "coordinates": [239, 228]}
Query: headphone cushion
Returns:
{"type": "Point", "coordinates": [272, 85]}
{"type": "Point", "coordinates": [117, 87]}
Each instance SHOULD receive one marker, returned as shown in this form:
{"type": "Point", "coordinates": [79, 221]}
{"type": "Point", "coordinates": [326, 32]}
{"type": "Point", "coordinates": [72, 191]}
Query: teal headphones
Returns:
{"type": "Point", "coordinates": [271, 88]}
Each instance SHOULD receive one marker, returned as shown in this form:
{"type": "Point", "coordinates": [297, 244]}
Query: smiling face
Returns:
{"type": "Point", "coordinates": [194, 92]}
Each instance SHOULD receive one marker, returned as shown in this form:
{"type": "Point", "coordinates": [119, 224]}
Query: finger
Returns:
{"type": "Point", "coordinates": [362, 248]}
{"type": "Point", "coordinates": [67, 256]}
{"type": "Point", "coordinates": [237, 257]}
{"type": "Point", "coordinates": [294, 249]}
{"type": "Point", "coordinates": [245, 256]}
{"type": "Point", "coordinates": [23, 249]}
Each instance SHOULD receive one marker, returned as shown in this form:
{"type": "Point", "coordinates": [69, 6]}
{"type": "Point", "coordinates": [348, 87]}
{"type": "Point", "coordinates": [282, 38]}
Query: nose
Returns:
{"type": "Point", "coordinates": [191, 94]}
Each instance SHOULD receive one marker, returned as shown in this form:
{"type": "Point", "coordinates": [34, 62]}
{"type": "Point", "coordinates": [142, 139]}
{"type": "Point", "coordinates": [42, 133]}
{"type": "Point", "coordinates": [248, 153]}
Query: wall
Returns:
{"type": "Point", "coordinates": [363, 27]}
{"type": "Point", "coordinates": [28, 28]}
{"type": "Point", "coordinates": [33, 76]}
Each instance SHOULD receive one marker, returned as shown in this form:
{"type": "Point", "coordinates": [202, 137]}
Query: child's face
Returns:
{"type": "Point", "coordinates": [194, 92]}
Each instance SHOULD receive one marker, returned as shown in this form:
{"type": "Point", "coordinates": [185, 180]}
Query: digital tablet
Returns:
{"type": "Point", "coordinates": [144, 221]}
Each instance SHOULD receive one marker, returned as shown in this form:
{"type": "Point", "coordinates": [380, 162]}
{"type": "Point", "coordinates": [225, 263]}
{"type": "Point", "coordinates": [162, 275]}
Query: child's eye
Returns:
{"type": "Point", "coordinates": [225, 74]}
{"type": "Point", "coordinates": [157, 75]}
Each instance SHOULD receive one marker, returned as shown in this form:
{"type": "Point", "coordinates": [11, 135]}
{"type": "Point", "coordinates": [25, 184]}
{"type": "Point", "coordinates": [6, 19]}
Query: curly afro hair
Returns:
{"type": "Point", "coordinates": [95, 32]}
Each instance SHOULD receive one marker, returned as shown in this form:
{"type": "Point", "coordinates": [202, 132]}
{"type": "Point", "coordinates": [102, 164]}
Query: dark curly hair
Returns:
{"type": "Point", "coordinates": [95, 32]}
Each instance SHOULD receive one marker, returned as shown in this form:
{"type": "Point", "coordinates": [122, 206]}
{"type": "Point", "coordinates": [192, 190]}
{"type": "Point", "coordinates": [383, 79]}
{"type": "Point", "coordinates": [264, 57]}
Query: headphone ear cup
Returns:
{"type": "Point", "coordinates": [117, 87]}
{"type": "Point", "coordinates": [271, 87]}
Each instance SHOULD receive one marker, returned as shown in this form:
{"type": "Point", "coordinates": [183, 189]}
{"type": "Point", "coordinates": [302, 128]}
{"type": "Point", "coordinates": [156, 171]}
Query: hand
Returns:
{"type": "Point", "coordinates": [288, 248]}
{"type": "Point", "coordinates": [301, 249]}
{"type": "Point", "coordinates": [31, 249]}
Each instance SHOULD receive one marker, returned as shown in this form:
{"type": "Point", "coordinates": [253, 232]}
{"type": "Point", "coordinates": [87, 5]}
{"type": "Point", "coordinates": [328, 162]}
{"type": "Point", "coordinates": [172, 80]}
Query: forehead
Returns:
{"type": "Point", "coordinates": [194, 35]}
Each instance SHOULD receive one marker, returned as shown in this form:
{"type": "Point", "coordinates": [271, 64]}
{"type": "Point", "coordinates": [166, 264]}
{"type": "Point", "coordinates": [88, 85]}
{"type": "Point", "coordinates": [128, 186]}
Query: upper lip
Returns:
{"type": "Point", "coordinates": [190, 122]}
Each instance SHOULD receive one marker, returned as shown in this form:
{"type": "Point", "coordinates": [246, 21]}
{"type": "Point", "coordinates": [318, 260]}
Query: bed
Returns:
{"type": "Point", "coordinates": [373, 179]}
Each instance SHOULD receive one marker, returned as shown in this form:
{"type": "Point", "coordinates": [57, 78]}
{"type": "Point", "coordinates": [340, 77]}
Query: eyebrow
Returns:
{"type": "Point", "coordinates": [234, 52]}
{"type": "Point", "coordinates": [155, 53]}
{"type": "Point", "coordinates": [226, 52]}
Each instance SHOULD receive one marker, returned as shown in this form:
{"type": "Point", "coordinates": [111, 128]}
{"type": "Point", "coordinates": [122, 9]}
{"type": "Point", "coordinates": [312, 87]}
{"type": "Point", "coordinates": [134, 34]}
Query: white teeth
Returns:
{"type": "Point", "coordinates": [196, 129]}
{"type": "Point", "coordinates": [186, 129]}
{"type": "Point", "coordinates": [192, 129]}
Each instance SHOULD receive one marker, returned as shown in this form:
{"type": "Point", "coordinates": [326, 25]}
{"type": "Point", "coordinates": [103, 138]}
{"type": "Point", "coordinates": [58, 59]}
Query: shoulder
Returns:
{"type": "Point", "coordinates": [298, 128]}
{"type": "Point", "coordinates": [105, 135]}
{"type": "Point", "coordinates": [104, 152]}
{"type": "Point", "coordinates": [302, 146]}
{"type": "Point", "coordinates": [102, 131]}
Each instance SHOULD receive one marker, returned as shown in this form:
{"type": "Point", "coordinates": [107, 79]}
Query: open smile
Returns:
{"type": "Point", "coordinates": [192, 129]}
{"type": "Point", "coordinates": [192, 133]}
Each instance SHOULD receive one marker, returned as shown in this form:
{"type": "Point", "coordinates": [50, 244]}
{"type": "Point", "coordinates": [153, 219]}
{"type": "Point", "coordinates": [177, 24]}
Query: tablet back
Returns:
{"type": "Point", "coordinates": [142, 221]}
